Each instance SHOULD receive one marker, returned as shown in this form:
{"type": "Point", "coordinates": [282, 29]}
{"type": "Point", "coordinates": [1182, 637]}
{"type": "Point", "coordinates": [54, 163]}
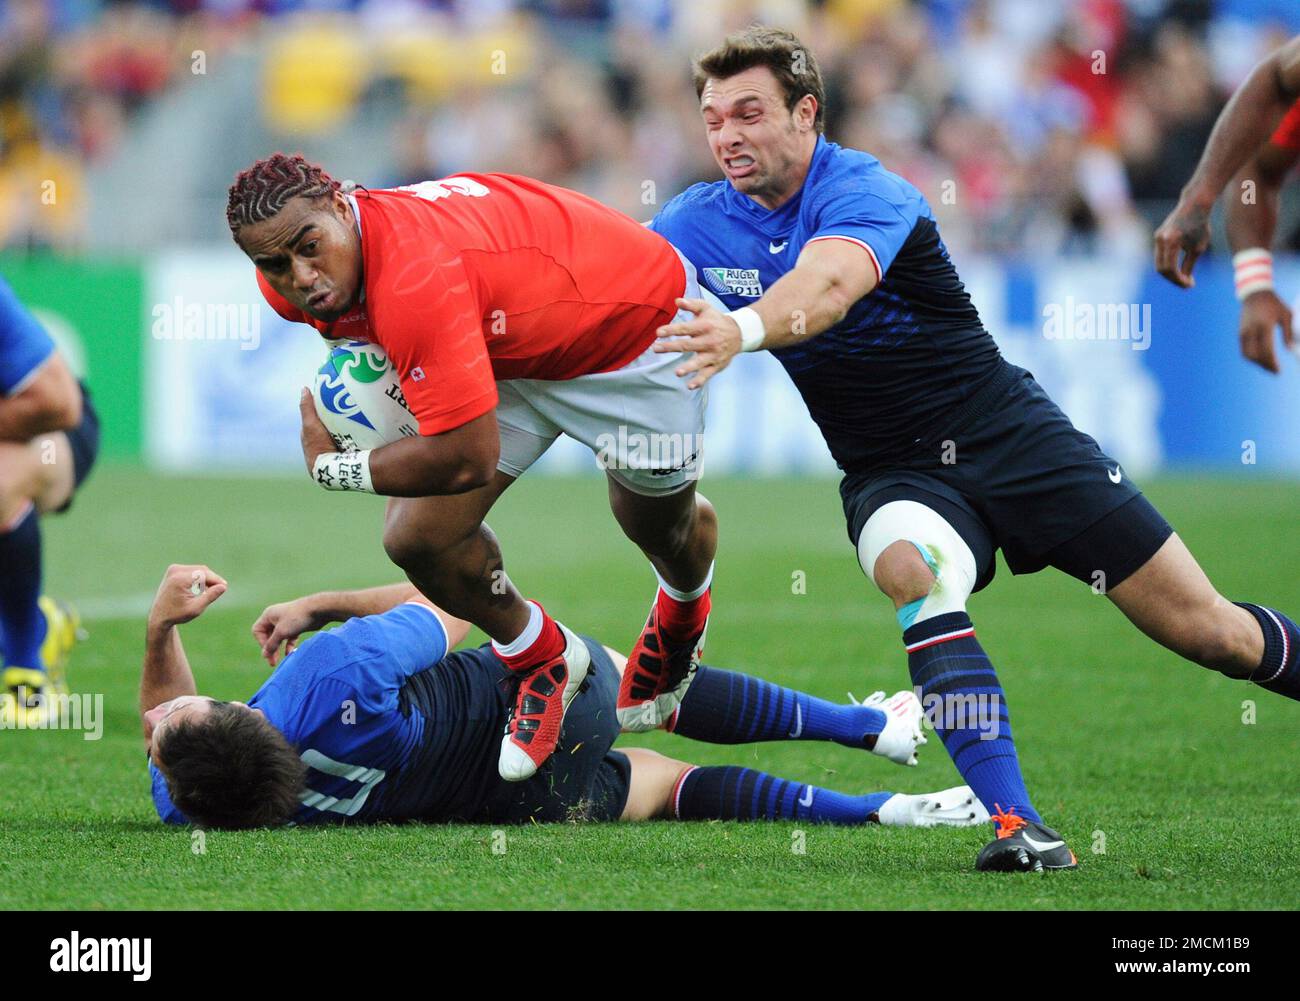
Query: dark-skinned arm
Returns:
{"type": "Point", "coordinates": [1243, 126]}
{"type": "Point", "coordinates": [454, 462]}
{"type": "Point", "coordinates": [1250, 223]}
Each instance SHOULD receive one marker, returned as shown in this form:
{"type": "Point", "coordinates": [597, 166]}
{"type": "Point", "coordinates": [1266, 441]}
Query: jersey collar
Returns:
{"type": "Point", "coordinates": [356, 214]}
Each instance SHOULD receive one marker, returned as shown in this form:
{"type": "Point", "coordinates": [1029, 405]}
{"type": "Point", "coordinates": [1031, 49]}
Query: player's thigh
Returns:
{"type": "Point", "coordinates": [654, 777]}
{"type": "Point", "coordinates": [525, 433]}
{"type": "Point", "coordinates": [39, 471]}
{"type": "Point", "coordinates": [1049, 493]}
{"type": "Point", "coordinates": [648, 519]}
{"type": "Point", "coordinates": [436, 524]}
{"type": "Point", "coordinates": [619, 660]}
{"type": "Point", "coordinates": [1171, 599]}
{"type": "Point", "coordinates": [58, 471]}
{"type": "Point", "coordinates": [645, 428]}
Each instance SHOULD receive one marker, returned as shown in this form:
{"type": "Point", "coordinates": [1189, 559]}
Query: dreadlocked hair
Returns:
{"type": "Point", "coordinates": [264, 188]}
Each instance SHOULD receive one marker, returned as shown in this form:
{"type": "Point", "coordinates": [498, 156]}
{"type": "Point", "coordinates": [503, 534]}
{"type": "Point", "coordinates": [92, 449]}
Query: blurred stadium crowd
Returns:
{"type": "Point", "coordinates": [1033, 126]}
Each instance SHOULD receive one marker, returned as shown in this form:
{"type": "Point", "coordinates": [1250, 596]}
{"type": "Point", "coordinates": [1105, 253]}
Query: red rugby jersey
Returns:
{"type": "Point", "coordinates": [480, 277]}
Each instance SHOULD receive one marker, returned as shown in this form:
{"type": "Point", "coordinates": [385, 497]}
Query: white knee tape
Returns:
{"type": "Point", "coordinates": [946, 553]}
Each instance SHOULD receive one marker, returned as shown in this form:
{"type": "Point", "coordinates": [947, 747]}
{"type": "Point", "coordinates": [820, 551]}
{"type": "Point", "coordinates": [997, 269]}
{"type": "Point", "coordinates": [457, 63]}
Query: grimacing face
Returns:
{"type": "Point", "coordinates": [761, 146]}
{"type": "Point", "coordinates": [310, 253]}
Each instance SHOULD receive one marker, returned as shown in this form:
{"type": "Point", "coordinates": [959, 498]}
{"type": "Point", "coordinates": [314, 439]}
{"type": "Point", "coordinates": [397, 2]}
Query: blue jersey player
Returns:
{"type": "Point", "coordinates": [377, 720]}
{"type": "Point", "coordinates": [49, 437]}
{"type": "Point", "coordinates": [949, 452]}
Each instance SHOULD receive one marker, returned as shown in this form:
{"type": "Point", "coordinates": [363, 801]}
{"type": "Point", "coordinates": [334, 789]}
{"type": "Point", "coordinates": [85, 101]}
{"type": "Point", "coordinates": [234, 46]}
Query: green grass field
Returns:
{"type": "Point", "coordinates": [1141, 760]}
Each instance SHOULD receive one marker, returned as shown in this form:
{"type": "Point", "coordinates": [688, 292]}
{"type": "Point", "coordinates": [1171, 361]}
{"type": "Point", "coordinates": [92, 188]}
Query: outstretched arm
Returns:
{"type": "Point", "coordinates": [186, 590]}
{"type": "Point", "coordinates": [1244, 125]}
{"type": "Point", "coordinates": [280, 626]}
{"type": "Point", "coordinates": [817, 293]}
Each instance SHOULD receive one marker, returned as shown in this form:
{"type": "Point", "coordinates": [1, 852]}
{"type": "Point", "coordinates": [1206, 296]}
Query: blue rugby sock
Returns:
{"type": "Point", "coordinates": [726, 707]}
{"type": "Point", "coordinates": [730, 793]}
{"type": "Point", "coordinates": [22, 625]}
{"type": "Point", "coordinates": [964, 702]}
{"type": "Point", "coordinates": [1279, 671]}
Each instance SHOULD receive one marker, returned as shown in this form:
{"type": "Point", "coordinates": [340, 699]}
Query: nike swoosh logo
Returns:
{"type": "Point", "coordinates": [776, 248]}
{"type": "Point", "coordinates": [807, 798]}
{"type": "Point", "coordinates": [1115, 474]}
{"type": "Point", "coordinates": [798, 723]}
{"type": "Point", "coordinates": [1041, 846]}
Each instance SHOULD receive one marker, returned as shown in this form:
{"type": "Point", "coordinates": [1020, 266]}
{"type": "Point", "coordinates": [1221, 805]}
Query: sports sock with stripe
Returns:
{"type": "Point", "coordinates": [682, 613]}
{"type": "Point", "coordinates": [539, 642]}
{"type": "Point", "coordinates": [964, 702]}
{"type": "Point", "coordinates": [726, 707]}
{"type": "Point", "coordinates": [731, 793]}
{"type": "Point", "coordinates": [22, 624]}
{"type": "Point", "coordinates": [1279, 670]}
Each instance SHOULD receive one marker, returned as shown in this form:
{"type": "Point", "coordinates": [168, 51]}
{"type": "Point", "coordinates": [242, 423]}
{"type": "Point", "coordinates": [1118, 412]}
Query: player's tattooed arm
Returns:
{"type": "Point", "coordinates": [279, 627]}
{"type": "Point", "coordinates": [186, 590]}
{"type": "Point", "coordinates": [1243, 127]}
{"type": "Point", "coordinates": [817, 293]}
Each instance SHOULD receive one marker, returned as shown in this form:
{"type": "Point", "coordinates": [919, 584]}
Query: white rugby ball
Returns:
{"type": "Point", "coordinates": [359, 398]}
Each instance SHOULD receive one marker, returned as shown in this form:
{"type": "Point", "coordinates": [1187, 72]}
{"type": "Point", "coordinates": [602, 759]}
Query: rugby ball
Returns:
{"type": "Point", "coordinates": [359, 398]}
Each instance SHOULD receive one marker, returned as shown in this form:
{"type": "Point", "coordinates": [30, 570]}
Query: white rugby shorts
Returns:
{"type": "Point", "coordinates": [645, 428]}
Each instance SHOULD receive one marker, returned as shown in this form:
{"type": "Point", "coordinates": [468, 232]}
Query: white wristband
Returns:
{"type": "Point", "coordinates": [1252, 271]}
{"type": "Point", "coordinates": [344, 471]}
{"type": "Point", "coordinates": [752, 333]}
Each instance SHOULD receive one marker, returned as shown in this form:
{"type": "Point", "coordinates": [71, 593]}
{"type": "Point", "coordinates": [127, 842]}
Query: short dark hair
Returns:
{"type": "Point", "coordinates": [231, 769]}
{"type": "Point", "coordinates": [791, 62]}
{"type": "Point", "coordinates": [262, 190]}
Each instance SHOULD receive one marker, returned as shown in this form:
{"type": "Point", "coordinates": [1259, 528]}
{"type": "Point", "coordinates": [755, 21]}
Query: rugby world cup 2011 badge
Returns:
{"type": "Point", "coordinates": [733, 281]}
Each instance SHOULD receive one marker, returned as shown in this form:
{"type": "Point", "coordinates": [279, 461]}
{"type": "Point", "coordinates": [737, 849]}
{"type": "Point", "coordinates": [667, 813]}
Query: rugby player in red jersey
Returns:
{"type": "Point", "coordinates": [513, 311]}
{"type": "Point", "coordinates": [1255, 143]}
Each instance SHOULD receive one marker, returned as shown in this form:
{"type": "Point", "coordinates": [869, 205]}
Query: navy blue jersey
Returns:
{"type": "Point", "coordinates": [392, 727]}
{"type": "Point", "coordinates": [906, 355]}
{"type": "Point", "coordinates": [24, 344]}
{"type": "Point", "coordinates": [339, 700]}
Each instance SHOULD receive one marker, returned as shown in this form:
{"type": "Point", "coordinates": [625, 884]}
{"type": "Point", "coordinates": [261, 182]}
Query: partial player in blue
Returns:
{"type": "Point", "coordinates": [49, 437]}
{"type": "Point", "coordinates": [948, 451]}
{"type": "Point", "coordinates": [377, 720]}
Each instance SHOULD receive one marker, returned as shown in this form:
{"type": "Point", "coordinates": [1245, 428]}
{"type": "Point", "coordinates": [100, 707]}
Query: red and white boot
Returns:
{"type": "Point", "coordinates": [662, 665]}
{"type": "Point", "coordinates": [536, 722]}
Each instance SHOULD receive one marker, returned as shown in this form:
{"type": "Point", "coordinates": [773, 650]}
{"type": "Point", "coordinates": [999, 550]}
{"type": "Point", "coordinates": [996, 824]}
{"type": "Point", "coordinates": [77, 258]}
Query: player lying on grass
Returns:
{"type": "Point", "coordinates": [949, 452]}
{"type": "Point", "coordinates": [49, 437]}
{"type": "Point", "coordinates": [1257, 139]}
{"type": "Point", "coordinates": [513, 311]}
{"type": "Point", "coordinates": [377, 720]}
